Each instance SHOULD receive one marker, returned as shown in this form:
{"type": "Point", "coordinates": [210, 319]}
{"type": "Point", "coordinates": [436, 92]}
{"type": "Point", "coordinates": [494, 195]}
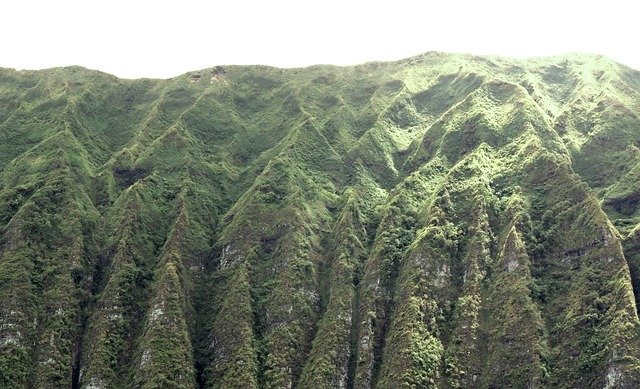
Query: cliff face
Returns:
{"type": "Point", "coordinates": [441, 221]}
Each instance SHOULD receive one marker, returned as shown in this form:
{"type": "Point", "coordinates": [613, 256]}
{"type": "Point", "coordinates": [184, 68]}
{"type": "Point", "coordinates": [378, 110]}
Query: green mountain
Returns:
{"type": "Point", "coordinates": [441, 221]}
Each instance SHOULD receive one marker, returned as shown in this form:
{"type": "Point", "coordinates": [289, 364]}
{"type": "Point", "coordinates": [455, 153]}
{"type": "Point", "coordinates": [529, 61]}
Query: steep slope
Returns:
{"type": "Point", "coordinates": [440, 221]}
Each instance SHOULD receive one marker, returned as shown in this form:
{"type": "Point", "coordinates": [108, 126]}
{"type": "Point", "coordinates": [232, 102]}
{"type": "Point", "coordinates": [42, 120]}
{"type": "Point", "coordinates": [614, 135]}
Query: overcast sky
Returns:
{"type": "Point", "coordinates": [156, 39]}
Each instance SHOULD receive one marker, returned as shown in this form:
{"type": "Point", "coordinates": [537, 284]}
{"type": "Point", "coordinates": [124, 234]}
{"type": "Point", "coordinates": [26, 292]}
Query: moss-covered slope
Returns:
{"type": "Point", "coordinates": [441, 221]}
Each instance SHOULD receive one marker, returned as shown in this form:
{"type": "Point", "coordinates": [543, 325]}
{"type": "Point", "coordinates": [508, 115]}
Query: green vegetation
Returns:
{"type": "Point", "coordinates": [441, 221]}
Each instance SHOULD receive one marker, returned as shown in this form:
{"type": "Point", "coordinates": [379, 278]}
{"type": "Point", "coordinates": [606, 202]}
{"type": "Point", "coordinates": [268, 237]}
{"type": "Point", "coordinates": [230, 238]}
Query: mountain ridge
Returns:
{"type": "Point", "coordinates": [466, 56]}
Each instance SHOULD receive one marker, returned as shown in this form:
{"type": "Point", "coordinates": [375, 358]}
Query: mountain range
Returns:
{"type": "Point", "coordinates": [446, 220]}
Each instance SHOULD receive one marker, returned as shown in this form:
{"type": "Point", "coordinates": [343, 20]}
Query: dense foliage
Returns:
{"type": "Point", "coordinates": [441, 221]}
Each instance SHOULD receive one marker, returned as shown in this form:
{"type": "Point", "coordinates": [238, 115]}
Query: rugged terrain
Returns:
{"type": "Point", "coordinates": [441, 221]}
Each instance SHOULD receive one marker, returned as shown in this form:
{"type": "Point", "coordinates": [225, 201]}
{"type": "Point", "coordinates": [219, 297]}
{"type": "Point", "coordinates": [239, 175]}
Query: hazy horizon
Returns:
{"type": "Point", "coordinates": [132, 40]}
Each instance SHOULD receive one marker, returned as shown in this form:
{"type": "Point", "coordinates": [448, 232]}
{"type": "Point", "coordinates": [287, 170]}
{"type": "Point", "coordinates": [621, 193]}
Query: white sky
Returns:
{"type": "Point", "coordinates": [161, 39]}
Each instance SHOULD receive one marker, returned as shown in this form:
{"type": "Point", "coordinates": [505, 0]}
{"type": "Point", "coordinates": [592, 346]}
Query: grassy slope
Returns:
{"type": "Point", "coordinates": [444, 220]}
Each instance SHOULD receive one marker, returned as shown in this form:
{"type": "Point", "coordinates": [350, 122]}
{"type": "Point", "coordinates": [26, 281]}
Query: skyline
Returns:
{"type": "Point", "coordinates": [132, 40]}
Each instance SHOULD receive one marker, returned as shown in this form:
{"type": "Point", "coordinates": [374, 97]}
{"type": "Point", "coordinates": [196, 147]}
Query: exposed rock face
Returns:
{"type": "Point", "coordinates": [441, 221]}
